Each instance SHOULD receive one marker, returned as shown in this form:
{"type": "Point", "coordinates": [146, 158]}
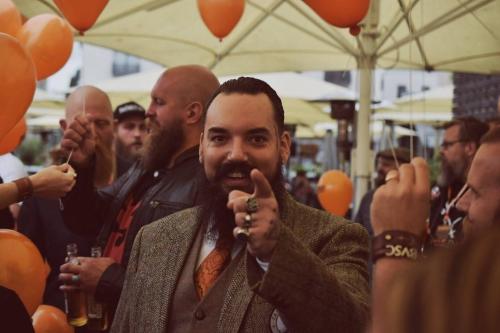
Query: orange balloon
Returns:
{"type": "Point", "coordinates": [22, 268]}
{"type": "Point", "coordinates": [17, 82]}
{"type": "Point", "coordinates": [221, 16]}
{"type": "Point", "coordinates": [49, 41]}
{"type": "Point", "coordinates": [13, 138]}
{"type": "Point", "coordinates": [82, 14]}
{"type": "Point", "coordinates": [10, 19]}
{"type": "Point", "coordinates": [335, 192]}
{"type": "Point", "coordinates": [340, 13]}
{"type": "Point", "coordinates": [49, 319]}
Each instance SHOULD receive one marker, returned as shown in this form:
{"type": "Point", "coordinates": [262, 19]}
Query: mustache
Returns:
{"type": "Point", "coordinates": [229, 167]}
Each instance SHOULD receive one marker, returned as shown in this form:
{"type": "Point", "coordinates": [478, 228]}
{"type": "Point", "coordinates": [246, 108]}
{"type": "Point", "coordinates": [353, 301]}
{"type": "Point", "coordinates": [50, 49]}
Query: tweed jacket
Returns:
{"type": "Point", "coordinates": [317, 278]}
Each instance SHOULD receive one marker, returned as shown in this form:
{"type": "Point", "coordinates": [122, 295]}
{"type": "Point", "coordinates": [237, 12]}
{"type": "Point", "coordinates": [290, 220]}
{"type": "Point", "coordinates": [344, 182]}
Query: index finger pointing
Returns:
{"type": "Point", "coordinates": [262, 188]}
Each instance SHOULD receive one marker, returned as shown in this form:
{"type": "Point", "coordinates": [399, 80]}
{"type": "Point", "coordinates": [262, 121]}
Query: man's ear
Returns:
{"type": "Point", "coordinates": [470, 148]}
{"type": "Point", "coordinates": [194, 112]}
{"type": "Point", "coordinates": [285, 143]}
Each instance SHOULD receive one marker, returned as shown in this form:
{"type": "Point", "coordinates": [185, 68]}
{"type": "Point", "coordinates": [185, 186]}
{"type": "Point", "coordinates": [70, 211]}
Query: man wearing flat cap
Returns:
{"type": "Point", "coordinates": [130, 131]}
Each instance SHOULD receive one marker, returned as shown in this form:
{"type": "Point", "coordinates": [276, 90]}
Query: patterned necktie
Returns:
{"type": "Point", "coordinates": [212, 266]}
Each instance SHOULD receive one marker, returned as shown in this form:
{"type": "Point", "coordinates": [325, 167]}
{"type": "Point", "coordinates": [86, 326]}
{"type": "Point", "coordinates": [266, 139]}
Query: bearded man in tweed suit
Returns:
{"type": "Point", "coordinates": [250, 258]}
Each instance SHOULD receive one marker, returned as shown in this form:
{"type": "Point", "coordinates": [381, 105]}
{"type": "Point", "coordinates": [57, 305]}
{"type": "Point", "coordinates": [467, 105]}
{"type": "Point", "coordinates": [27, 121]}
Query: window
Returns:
{"type": "Point", "coordinates": [124, 64]}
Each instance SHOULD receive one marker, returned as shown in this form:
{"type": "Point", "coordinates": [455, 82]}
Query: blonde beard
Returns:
{"type": "Point", "coordinates": [105, 165]}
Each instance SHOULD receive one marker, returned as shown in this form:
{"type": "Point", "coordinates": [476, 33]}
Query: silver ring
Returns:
{"type": "Point", "coordinates": [75, 278]}
{"type": "Point", "coordinates": [241, 233]}
{"type": "Point", "coordinates": [248, 221]}
{"type": "Point", "coordinates": [252, 205]}
{"type": "Point", "coordinates": [393, 176]}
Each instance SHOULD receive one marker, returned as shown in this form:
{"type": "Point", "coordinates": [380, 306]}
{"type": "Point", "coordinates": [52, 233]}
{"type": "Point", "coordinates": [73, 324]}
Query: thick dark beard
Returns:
{"type": "Point", "coordinates": [214, 203]}
{"type": "Point", "coordinates": [448, 175]}
{"type": "Point", "coordinates": [161, 145]}
{"type": "Point", "coordinates": [124, 153]}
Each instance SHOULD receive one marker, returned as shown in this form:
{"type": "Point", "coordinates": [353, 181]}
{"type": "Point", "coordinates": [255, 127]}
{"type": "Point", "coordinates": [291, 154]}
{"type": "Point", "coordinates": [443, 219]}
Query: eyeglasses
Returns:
{"type": "Point", "coordinates": [448, 144]}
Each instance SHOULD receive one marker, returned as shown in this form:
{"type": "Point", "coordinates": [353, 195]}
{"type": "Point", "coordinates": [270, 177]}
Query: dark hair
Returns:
{"type": "Point", "coordinates": [252, 86]}
{"type": "Point", "coordinates": [493, 136]}
{"type": "Point", "coordinates": [470, 129]}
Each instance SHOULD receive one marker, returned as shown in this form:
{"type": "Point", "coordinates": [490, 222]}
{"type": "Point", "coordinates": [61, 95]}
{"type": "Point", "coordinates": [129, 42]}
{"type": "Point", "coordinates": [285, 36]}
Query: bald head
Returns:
{"type": "Point", "coordinates": [93, 99]}
{"type": "Point", "coordinates": [191, 83]}
{"type": "Point", "coordinates": [177, 102]}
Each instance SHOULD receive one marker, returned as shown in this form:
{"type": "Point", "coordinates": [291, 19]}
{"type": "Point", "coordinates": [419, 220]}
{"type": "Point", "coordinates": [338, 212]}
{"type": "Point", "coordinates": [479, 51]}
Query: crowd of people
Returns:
{"type": "Point", "coordinates": [199, 234]}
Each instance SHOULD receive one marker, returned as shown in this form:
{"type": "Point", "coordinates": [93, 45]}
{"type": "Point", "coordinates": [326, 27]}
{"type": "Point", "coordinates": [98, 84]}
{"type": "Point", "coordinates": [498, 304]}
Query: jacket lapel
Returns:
{"type": "Point", "coordinates": [173, 244]}
{"type": "Point", "coordinates": [238, 297]}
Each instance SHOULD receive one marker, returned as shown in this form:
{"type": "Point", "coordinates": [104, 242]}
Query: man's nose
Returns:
{"type": "Point", "coordinates": [237, 151]}
{"type": "Point", "coordinates": [150, 112]}
{"type": "Point", "coordinates": [137, 131]}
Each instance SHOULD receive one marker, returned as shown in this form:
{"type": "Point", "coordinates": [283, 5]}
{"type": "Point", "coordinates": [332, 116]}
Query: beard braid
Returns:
{"type": "Point", "coordinates": [161, 145]}
{"type": "Point", "coordinates": [105, 165]}
{"type": "Point", "coordinates": [217, 219]}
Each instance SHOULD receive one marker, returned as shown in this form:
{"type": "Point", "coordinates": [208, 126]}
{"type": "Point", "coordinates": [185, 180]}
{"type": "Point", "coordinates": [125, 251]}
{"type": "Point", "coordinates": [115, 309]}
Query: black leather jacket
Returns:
{"type": "Point", "coordinates": [91, 212]}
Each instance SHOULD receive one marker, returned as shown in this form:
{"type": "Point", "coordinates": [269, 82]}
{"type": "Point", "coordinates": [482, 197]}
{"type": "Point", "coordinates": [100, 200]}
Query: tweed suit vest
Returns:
{"type": "Point", "coordinates": [187, 312]}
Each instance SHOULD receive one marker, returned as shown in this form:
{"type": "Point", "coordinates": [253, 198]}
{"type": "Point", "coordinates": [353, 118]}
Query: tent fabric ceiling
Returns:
{"type": "Point", "coordinates": [286, 35]}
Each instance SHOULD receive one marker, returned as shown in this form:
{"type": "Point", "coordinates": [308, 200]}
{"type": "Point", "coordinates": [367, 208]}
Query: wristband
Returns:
{"type": "Point", "coordinates": [24, 188]}
{"type": "Point", "coordinates": [396, 244]}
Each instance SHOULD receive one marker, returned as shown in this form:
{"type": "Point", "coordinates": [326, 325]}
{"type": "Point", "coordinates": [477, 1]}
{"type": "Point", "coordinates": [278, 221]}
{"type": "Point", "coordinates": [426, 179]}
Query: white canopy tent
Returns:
{"type": "Point", "coordinates": [286, 35]}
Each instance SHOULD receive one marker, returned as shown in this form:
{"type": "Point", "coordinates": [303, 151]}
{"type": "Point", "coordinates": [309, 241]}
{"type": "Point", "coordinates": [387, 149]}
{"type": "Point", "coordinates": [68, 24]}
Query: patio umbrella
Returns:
{"type": "Point", "coordinates": [286, 35]}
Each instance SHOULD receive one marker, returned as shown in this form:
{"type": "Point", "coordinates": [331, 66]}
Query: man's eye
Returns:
{"type": "Point", "coordinates": [258, 139]}
{"type": "Point", "coordinates": [158, 101]}
{"type": "Point", "coordinates": [218, 138]}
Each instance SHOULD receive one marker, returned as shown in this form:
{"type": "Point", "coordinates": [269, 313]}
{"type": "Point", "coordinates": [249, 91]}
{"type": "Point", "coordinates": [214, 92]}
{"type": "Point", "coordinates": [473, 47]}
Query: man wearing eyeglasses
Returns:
{"type": "Point", "coordinates": [460, 142]}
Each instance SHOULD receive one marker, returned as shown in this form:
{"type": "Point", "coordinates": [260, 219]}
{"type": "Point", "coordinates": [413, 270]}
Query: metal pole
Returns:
{"type": "Point", "coordinates": [366, 64]}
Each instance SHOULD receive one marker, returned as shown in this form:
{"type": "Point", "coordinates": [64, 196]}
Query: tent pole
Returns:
{"type": "Point", "coordinates": [362, 174]}
{"type": "Point", "coordinates": [366, 65]}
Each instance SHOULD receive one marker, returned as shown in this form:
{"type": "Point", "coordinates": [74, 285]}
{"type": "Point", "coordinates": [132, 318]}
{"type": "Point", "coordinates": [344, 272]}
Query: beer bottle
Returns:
{"type": "Point", "coordinates": [97, 312]}
{"type": "Point", "coordinates": [75, 302]}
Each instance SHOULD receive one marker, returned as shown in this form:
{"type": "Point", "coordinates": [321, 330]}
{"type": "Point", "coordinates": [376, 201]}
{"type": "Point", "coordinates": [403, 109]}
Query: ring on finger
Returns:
{"type": "Point", "coordinates": [75, 278]}
{"type": "Point", "coordinates": [241, 233]}
{"type": "Point", "coordinates": [252, 205]}
{"type": "Point", "coordinates": [247, 221]}
{"type": "Point", "coordinates": [391, 176]}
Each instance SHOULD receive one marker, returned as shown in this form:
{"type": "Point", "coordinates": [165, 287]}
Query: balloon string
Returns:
{"type": "Point", "coordinates": [393, 152]}
{"type": "Point", "coordinates": [61, 205]}
{"type": "Point", "coordinates": [73, 149]}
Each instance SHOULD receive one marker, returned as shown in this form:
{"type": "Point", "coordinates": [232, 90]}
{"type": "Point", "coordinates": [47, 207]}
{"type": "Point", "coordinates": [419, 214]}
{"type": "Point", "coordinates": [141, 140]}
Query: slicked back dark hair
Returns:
{"type": "Point", "coordinates": [470, 129]}
{"type": "Point", "coordinates": [251, 86]}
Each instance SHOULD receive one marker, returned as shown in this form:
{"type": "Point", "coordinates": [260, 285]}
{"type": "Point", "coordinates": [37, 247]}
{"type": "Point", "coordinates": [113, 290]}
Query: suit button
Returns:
{"type": "Point", "coordinates": [199, 314]}
{"type": "Point", "coordinates": [154, 203]}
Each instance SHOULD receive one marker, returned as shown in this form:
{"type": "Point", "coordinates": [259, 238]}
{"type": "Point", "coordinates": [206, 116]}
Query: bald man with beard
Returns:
{"type": "Point", "coordinates": [166, 179]}
{"type": "Point", "coordinates": [95, 104]}
{"type": "Point", "coordinates": [40, 219]}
